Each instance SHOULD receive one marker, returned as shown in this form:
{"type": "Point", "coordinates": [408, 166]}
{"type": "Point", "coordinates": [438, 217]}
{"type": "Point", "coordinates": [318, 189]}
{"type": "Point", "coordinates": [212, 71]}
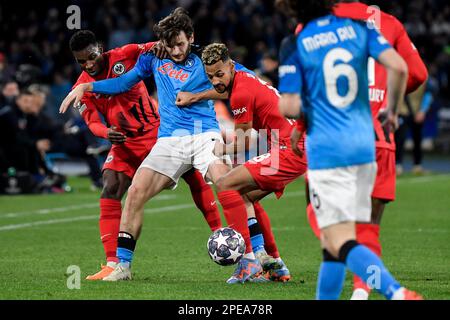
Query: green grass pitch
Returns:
{"type": "Point", "coordinates": [41, 236]}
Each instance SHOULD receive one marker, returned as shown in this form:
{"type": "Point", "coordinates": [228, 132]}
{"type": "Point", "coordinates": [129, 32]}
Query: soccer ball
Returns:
{"type": "Point", "coordinates": [226, 246]}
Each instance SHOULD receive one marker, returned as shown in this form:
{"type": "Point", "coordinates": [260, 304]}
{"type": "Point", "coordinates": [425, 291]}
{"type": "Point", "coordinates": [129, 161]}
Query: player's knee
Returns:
{"type": "Point", "coordinates": [222, 185]}
{"type": "Point", "coordinates": [136, 193]}
{"type": "Point", "coordinates": [111, 189]}
{"type": "Point", "coordinates": [377, 210]}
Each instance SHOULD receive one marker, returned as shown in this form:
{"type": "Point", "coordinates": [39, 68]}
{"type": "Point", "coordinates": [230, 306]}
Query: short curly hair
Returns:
{"type": "Point", "coordinates": [82, 39]}
{"type": "Point", "coordinates": [171, 26]}
{"type": "Point", "coordinates": [214, 53]}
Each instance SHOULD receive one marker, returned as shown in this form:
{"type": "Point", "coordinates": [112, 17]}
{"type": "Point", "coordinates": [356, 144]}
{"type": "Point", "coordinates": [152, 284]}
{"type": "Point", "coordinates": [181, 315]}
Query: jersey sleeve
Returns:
{"type": "Point", "coordinates": [376, 42]}
{"type": "Point", "coordinates": [289, 71]}
{"type": "Point", "coordinates": [135, 50]}
{"type": "Point", "coordinates": [142, 70]}
{"type": "Point", "coordinates": [242, 107]}
{"type": "Point", "coordinates": [89, 113]}
{"type": "Point", "coordinates": [417, 71]}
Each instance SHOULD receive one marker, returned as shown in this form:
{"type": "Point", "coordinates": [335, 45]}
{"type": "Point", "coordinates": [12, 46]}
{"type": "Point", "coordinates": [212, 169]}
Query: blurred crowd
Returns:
{"type": "Point", "coordinates": [34, 51]}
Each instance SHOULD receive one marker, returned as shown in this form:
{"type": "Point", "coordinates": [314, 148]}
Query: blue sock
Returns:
{"type": "Point", "coordinates": [125, 256]}
{"type": "Point", "coordinates": [369, 267]}
{"type": "Point", "coordinates": [256, 236]}
{"type": "Point", "coordinates": [331, 278]}
{"type": "Point", "coordinates": [125, 248]}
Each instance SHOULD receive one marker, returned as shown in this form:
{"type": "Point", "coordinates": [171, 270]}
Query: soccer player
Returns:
{"type": "Point", "coordinates": [384, 187]}
{"type": "Point", "coordinates": [254, 105]}
{"type": "Point", "coordinates": [133, 122]}
{"type": "Point", "coordinates": [329, 82]}
{"type": "Point", "coordinates": [186, 139]}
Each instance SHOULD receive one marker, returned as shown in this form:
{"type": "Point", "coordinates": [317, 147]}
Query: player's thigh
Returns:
{"type": "Point", "coordinates": [205, 161]}
{"type": "Point", "coordinates": [257, 195]}
{"type": "Point", "coordinates": [239, 179]}
{"type": "Point", "coordinates": [170, 156]}
{"type": "Point", "coordinates": [115, 184]}
{"type": "Point", "coordinates": [147, 183]}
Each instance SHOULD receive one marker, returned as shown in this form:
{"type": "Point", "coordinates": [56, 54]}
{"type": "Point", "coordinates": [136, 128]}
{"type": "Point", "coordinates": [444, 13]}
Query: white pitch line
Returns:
{"type": "Point", "coordinates": [90, 217]}
{"type": "Point", "coordinates": [156, 210]}
{"type": "Point", "coordinates": [74, 207]}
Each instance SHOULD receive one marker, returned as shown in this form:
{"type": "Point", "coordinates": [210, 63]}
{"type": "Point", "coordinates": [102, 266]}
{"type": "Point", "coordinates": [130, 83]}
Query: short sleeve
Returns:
{"type": "Point", "coordinates": [144, 65]}
{"type": "Point", "coordinates": [376, 42]}
{"type": "Point", "coordinates": [289, 71]}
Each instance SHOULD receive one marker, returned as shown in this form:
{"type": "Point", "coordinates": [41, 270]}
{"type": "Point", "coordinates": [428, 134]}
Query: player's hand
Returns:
{"type": "Point", "coordinates": [159, 51]}
{"type": "Point", "coordinates": [185, 99]}
{"type": "Point", "coordinates": [115, 137]}
{"type": "Point", "coordinates": [74, 96]}
{"type": "Point", "coordinates": [295, 138]}
{"type": "Point", "coordinates": [219, 149]}
{"type": "Point", "coordinates": [420, 117]}
{"type": "Point", "coordinates": [388, 120]}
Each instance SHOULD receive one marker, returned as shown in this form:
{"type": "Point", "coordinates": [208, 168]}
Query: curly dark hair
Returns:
{"type": "Point", "coordinates": [171, 26]}
{"type": "Point", "coordinates": [214, 53]}
{"type": "Point", "coordinates": [82, 39]}
{"type": "Point", "coordinates": [307, 10]}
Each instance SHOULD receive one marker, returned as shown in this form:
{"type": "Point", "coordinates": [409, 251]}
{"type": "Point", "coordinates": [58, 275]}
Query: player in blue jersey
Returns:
{"type": "Point", "coordinates": [186, 139]}
{"type": "Point", "coordinates": [327, 80]}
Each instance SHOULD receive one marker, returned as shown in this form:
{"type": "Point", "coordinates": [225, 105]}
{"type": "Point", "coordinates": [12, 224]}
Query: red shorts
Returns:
{"type": "Point", "coordinates": [384, 187]}
{"type": "Point", "coordinates": [273, 171]}
{"type": "Point", "coordinates": [128, 156]}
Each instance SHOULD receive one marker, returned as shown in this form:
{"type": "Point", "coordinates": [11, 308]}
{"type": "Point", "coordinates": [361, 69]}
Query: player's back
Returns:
{"type": "Point", "coordinates": [254, 100]}
{"type": "Point", "coordinates": [333, 55]}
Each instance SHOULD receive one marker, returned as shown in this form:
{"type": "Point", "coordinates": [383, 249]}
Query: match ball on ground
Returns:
{"type": "Point", "coordinates": [226, 246]}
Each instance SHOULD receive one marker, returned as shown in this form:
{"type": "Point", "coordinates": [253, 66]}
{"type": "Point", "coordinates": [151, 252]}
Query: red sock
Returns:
{"type": "Point", "coordinates": [367, 234]}
{"type": "Point", "coordinates": [204, 199]}
{"type": "Point", "coordinates": [266, 229]}
{"type": "Point", "coordinates": [312, 220]}
{"type": "Point", "coordinates": [110, 213]}
{"type": "Point", "coordinates": [235, 213]}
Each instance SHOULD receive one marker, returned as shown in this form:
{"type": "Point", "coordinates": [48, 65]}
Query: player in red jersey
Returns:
{"type": "Point", "coordinates": [384, 188]}
{"type": "Point", "coordinates": [132, 125]}
{"type": "Point", "coordinates": [254, 105]}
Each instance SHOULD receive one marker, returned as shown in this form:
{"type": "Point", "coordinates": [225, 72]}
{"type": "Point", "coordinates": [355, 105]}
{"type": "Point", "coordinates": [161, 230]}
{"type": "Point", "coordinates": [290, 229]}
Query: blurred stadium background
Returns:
{"type": "Point", "coordinates": [44, 234]}
{"type": "Point", "coordinates": [34, 51]}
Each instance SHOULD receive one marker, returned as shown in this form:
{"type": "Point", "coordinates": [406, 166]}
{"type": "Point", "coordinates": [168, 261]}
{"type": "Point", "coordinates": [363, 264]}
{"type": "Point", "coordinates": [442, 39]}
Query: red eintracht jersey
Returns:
{"type": "Point", "coordinates": [133, 112]}
{"type": "Point", "coordinates": [395, 34]}
{"type": "Point", "coordinates": [253, 100]}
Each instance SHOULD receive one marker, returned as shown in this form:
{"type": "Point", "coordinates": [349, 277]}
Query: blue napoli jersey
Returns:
{"type": "Point", "coordinates": [327, 65]}
{"type": "Point", "coordinates": [172, 78]}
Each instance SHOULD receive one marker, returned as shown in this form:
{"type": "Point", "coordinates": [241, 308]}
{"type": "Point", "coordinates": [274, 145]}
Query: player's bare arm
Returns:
{"type": "Point", "coordinates": [397, 71]}
{"type": "Point", "coordinates": [185, 99]}
{"type": "Point", "coordinates": [289, 105]}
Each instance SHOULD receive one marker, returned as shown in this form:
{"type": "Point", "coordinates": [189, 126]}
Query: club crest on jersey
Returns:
{"type": "Point", "coordinates": [169, 69]}
{"type": "Point", "coordinates": [189, 62]}
{"type": "Point", "coordinates": [118, 68]}
{"type": "Point", "coordinates": [109, 159]}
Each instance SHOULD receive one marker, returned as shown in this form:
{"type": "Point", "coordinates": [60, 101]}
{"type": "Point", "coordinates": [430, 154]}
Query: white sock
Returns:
{"type": "Point", "coordinates": [111, 264]}
{"type": "Point", "coordinates": [360, 294]}
{"type": "Point", "coordinates": [278, 259]}
{"type": "Point", "coordinates": [250, 255]}
{"type": "Point", "coordinates": [399, 294]}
